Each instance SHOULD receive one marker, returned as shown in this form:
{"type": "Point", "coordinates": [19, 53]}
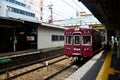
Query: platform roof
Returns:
{"type": "Point", "coordinates": [106, 11]}
{"type": "Point", "coordinates": [11, 22]}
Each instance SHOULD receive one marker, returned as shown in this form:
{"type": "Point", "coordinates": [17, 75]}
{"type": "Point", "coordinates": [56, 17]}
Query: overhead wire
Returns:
{"type": "Point", "coordinates": [49, 15]}
{"type": "Point", "coordinates": [69, 5]}
{"type": "Point", "coordinates": [62, 14]}
{"type": "Point", "coordinates": [48, 18]}
{"type": "Point", "coordinates": [77, 5]}
{"type": "Point", "coordinates": [77, 11]}
{"type": "Point", "coordinates": [72, 7]}
{"type": "Point", "coordinates": [53, 11]}
{"type": "Point", "coordinates": [82, 10]}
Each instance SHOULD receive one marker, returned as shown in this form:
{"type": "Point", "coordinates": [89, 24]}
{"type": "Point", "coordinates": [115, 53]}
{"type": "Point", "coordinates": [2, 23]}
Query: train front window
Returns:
{"type": "Point", "coordinates": [77, 39]}
{"type": "Point", "coordinates": [68, 39]}
{"type": "Point", "coordinates": [87, 40]}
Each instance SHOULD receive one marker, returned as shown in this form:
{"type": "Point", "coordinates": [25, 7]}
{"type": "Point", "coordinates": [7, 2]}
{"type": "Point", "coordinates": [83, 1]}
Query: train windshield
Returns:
{"type": "Point", "coordinates": [87, 40]}
{"type": "Point", "coordinates": [68, 40]}
{"type": "Point", "coordinates": [77, 39]}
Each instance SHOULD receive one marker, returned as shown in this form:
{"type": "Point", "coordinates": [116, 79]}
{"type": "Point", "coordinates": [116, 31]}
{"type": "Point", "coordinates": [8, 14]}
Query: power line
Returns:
{"type": "Point", "coordinates": [81, 9]}
{"type": "Point", "coordinates": [77, 5]}
{"type": "Point", "coordinates": [69, 5]}
{"type": "Point", "coordinates": [48, 17]}
{"type": "Point", "coordinates": [62, 13]}
{"type": "Point", "coordinates": [54, 13]}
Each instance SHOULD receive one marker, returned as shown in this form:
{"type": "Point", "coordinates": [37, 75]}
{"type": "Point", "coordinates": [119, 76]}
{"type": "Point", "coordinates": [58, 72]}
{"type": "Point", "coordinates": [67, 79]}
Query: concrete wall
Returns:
{"type": "Point", "coordinates": [45, 37]}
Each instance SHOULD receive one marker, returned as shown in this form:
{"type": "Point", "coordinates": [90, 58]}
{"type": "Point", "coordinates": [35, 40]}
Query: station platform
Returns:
{"type": "Point", "coordinates": [26, 52]}
{"type": "Point", "coordinates": [103, 66]}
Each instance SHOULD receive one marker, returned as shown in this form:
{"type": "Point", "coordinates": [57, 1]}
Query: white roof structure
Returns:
{"type": "Point", "coordinates": [53, 26]}
{"type": "Point", "coordinates": [83, 20]}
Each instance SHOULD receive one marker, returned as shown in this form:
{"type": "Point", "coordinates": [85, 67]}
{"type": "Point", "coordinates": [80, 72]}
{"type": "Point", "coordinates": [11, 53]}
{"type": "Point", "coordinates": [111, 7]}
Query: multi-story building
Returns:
{"type": "Point", "coordinates": [19, 9]}
{"type": "Point", "coordinates": [37, 7]}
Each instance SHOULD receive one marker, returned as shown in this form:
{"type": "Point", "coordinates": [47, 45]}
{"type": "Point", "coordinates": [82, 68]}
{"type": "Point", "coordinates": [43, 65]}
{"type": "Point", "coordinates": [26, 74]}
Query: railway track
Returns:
{"type": "Point", "coordinates": [64, 72]}
{"type": "Point", "coordinates": [23, 61]}
{"type": "Point", "coordinates": [60, 75]}
{"type": "Point", "coordinates": [14, 74]}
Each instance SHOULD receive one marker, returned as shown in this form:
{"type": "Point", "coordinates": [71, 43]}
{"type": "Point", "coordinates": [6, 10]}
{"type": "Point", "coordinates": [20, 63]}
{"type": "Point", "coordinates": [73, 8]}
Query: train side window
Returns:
{"type": "Point", "coordinates": [68, 39]}
{"type": "Point", "coordinates": [77, 39]}
{"type": "Point", "coordinates": [87, 40]}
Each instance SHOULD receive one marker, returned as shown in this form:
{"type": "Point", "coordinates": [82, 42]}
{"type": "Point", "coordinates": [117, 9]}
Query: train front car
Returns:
{"type": "Point", "coordinates": [78, 42]}
{"type": "Point", "coordinates": [68, 43]}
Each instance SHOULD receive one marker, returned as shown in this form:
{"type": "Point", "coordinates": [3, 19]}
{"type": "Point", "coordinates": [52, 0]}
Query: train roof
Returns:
{"type": "Point", "coordinates": [78, 28]}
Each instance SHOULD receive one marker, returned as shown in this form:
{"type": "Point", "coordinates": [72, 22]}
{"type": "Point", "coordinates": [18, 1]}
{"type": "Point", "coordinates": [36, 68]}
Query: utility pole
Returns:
{"type": "Point", "coordinates": [80, 23]}
{"type": "Point", "coordinates": [51, 11]}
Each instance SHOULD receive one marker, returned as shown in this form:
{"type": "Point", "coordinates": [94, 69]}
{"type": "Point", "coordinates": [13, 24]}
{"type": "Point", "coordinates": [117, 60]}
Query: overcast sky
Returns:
{"type": "Point", "coordinates": [62, 9]}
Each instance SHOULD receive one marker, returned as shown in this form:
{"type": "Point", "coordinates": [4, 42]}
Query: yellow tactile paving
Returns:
{"type": "Point", "coordinates": [106, 70]}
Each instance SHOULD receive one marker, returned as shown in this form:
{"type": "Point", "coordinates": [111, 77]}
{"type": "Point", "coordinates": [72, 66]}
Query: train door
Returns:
{"type": "Point", "coordinates": [76, 44]}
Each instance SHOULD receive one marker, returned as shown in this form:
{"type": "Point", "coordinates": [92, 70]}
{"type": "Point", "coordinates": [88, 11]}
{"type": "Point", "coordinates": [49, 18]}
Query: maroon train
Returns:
{"type": "Point", "coordinates": [82, 42]}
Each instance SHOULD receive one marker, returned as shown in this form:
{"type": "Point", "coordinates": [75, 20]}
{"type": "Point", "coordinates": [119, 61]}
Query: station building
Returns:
{"type": "Point", "coordinates": [21, 29]}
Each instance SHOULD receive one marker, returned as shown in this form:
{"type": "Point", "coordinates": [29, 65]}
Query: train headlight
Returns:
{"type": "Point", "coordinates": [68, 48]}
{"type": "Point", "coordinates": [85, 49]}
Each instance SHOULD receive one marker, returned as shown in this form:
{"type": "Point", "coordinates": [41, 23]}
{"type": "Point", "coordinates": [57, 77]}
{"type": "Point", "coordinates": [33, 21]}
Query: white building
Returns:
{"type": "Point", "coordinates": [50, 36]}
{"type": "Point", "coordinates": [19, 9]}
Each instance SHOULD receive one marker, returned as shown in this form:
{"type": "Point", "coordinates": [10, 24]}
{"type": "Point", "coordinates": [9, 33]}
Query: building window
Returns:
{"type": "Point", "coordinates": [54, 38]}
{"type": "Point", "coordinates": [11, 1]}
{"type": "Point", "coordinates": [17, 2]}
{"type": "Point", "coordinates": [16, 10]}
{"type": "Point", "coordinates": [61, 38]}
{"type": "Point", "coordinates": [22, 4]}
{"type": "Point", "coordinates": [20, 11]}
{"type": "Point", "coordinates": [57, 38]}
{"type": "Point", "coordinates": [41, 9]}
{"type": "Point", "coordinates": [40, 18]}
